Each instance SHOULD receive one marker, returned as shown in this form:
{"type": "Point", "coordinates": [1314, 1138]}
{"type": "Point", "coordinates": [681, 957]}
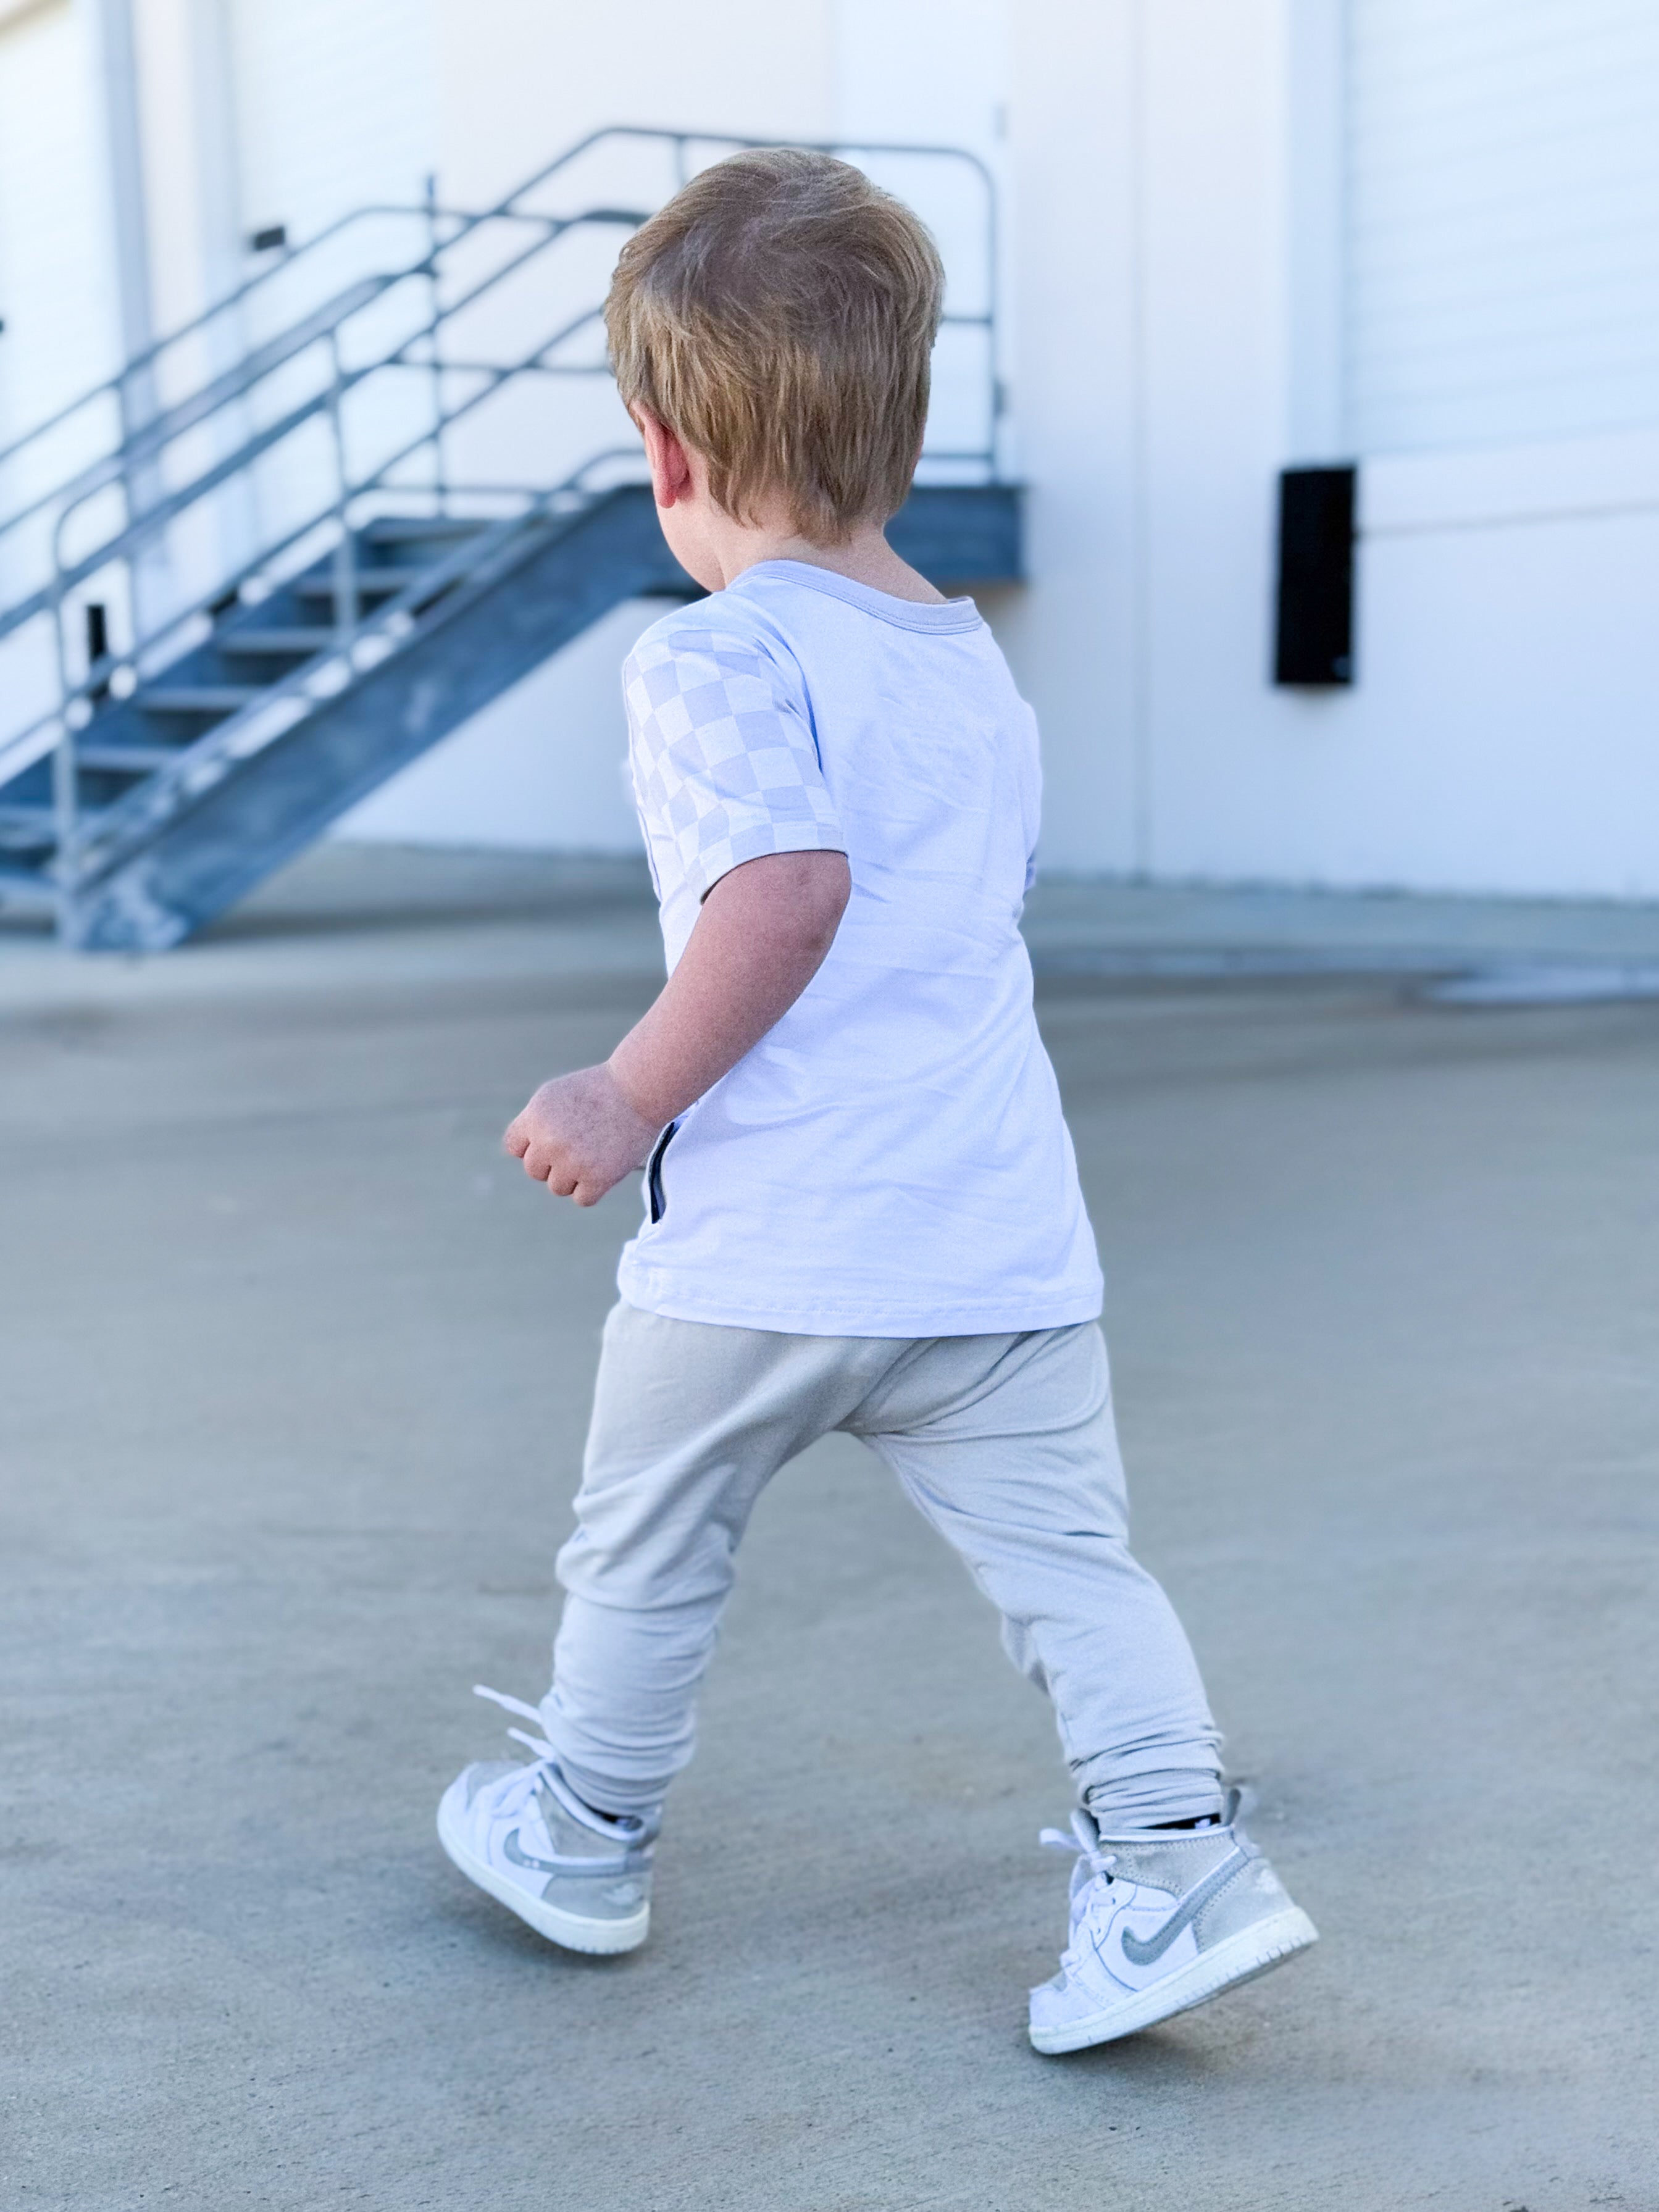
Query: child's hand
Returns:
{"type": "Point", "coordinates": [579, 1136]}
{"type": "Point", "coordinates": [760, 939]}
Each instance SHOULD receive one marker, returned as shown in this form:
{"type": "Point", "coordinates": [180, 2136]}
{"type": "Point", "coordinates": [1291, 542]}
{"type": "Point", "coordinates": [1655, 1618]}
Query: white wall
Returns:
{"type": "Point", "coordinates": [1504, 197]}
{"type": "Point", "coordinates": [1226, 756]}
{"type": "Point", "coordinates": [1503, 734]}
{"type": "Point", "coordinates": [57, 292]}
{"type": "Point", "coordinates": [1073, 636]}
{"type": "Point", "coordinates": [336, 104]}
{"type": "Point", "coordinates": [58, 301]}
{"type": "Point", "coordinates": [521, 79]}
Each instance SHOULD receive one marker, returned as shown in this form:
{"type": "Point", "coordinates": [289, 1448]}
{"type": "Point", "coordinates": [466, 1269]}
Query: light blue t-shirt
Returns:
{"type": "Point", "coordinates": [890, 1159]}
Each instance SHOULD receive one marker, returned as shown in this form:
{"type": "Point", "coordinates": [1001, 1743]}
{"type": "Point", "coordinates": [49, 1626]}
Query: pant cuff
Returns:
{"type": "Point", "coordinates": [1137, 1802]}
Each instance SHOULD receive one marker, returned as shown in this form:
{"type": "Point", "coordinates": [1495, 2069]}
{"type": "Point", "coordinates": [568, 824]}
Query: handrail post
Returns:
{"type": "Point", "coordinates": [997, 431]}
{"type": "Point", "coordinates": [65, 784]}
{"type": "Point", "coordinates": [345, 551]}
{"type": "Point", "coordinates": [440, 488]}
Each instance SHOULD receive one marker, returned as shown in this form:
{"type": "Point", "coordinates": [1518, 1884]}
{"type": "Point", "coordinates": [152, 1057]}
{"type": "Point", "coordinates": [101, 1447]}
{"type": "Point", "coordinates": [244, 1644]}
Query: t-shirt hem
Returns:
{"type": "Point", "coordinates": [986, 1318]}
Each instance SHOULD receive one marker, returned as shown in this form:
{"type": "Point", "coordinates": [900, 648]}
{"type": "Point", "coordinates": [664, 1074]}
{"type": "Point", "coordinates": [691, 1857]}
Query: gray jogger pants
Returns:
{"type": "Point", "coordinates": [1006, 1443]}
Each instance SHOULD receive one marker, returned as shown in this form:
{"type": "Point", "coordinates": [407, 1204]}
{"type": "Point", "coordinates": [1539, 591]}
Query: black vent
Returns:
{"type": "Point", "coordinates": [1314, 643]}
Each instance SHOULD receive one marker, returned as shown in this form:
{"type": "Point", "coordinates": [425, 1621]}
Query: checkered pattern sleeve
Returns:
{"type": "Point", "coordinates": [724, 761]}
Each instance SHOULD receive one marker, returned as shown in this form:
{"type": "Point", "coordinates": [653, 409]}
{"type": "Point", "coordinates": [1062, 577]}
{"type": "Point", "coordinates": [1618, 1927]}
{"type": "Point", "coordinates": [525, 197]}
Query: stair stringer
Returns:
{"type": "Point", "coordinates": [262, 811]}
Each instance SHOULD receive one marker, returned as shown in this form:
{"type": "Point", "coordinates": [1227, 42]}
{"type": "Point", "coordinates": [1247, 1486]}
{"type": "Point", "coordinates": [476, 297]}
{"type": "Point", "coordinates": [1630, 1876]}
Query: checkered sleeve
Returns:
{"type": "Point", "coordinates": [725, 764]}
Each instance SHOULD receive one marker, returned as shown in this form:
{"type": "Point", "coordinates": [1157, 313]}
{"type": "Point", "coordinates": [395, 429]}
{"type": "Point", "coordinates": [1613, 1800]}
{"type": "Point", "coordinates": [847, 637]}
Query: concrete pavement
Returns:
{"type": "Point", "coordinates": [295, 1376]}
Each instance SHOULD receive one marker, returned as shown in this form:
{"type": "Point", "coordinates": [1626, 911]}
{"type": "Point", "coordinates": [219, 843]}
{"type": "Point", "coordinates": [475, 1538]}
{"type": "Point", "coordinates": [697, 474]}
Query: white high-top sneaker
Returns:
{"type": "Point", "coordinates": [1159, 1923]}
{"type": "Point", "coordinates": [578, 1877]}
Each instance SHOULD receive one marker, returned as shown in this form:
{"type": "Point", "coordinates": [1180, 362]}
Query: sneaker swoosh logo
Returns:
{"type": "Point", "coordinates": [1146, 1951]}
{"type": "Point", "coordinates": [510, 1849]}
{"type": "Point", "coordinates": [592, 1869]}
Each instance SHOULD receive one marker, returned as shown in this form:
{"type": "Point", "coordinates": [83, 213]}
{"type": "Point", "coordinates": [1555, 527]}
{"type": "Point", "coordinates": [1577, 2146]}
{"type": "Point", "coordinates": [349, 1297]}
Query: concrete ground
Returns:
{"type": "Point", "coordinates": [296, 1371]}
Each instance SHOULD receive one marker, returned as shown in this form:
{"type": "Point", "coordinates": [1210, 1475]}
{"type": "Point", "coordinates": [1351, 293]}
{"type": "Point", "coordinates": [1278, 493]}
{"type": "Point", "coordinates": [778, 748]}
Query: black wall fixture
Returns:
{"type": "Point", "coordinates": [1315, 639]}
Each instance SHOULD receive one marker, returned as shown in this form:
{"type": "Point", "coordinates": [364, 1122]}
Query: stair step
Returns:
{"type": "Point", "coordinates": [21, 887]}
{"type": "Point", "coordinates": [371, 583]}
{"type": "Point", "coordinates": [197, 698]}
{"type": "Point", "coordinates": [398, 529]}
{"type": "Point", "coordinates": [298, 644]}
{"type": "Point", "coordinates": [126, 760]}
{"type": "Point", "coordinates": [26, 829]}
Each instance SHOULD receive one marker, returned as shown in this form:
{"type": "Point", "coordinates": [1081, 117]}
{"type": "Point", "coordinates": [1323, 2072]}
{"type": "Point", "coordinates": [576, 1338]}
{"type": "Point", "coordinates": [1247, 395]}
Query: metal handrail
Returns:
{"type": "Point", "coordinates": [144, 445]}
{"type": "Point", "coordinates": [270, 556]}
{"type": "Point", "coordinates": [324, 323]}
{"type": "Point", "coordinates": [469, 220]}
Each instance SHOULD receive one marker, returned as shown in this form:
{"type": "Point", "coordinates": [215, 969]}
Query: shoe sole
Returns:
{"type": "Point", "coordinates": [1253, 1951]}
{"type": "Point", "coordinates": [571, 1931]}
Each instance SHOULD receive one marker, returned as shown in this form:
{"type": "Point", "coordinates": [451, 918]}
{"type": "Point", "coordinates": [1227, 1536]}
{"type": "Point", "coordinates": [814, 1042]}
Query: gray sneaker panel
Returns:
{"type": "Point", "coordinates": [1178, 1863]}
{"type": "Point", "coordinates": [590, 1875]}
{"type": "Point", "coordinates": [1256, 1895]}
{"type": "Point", "coordinates": [597, 1900]}
{"type": "Point", "coordinates": [574, 1840]}
{"type": "Point", "coordinates": [1145, 1950]}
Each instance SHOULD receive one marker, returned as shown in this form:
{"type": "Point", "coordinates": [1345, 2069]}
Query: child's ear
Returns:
{"type": "Point", "coordinates": [671, 469]}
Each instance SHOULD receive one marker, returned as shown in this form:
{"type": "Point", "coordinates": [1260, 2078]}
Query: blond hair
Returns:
{"type": "Point", "coordinates": [779, 316]}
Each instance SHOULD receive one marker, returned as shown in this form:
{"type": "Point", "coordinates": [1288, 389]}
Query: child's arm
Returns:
{"type": "Point", "coordinates": [760, 937]}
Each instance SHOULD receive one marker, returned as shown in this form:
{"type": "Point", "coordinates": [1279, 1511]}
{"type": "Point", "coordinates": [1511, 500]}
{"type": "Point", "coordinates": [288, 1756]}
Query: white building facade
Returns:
{"type": "Point", "coordinates": [1418, 235]}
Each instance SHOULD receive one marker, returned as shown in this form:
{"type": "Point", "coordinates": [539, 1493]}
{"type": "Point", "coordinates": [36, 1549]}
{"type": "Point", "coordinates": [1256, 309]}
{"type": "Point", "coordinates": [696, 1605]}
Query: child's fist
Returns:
{"type": "Point", "coordinates": [579, 1136]}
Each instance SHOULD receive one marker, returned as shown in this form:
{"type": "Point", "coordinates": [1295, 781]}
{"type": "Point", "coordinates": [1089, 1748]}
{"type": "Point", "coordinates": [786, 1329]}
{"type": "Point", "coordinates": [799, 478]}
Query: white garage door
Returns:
{"type": "Point", "coordinates": [58, 300]}
{"type": "Point", "coordinates": [56, 288]}
{"type": "Point", "coordinates": [1503, 214]}
{"type": "Point", "coordinates": [335, 107]}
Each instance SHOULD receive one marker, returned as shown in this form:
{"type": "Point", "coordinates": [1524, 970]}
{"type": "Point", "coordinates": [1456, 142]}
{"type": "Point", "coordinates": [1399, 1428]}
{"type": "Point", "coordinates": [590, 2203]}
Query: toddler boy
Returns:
{"type": "Point", "coordinates": [862, 1210]}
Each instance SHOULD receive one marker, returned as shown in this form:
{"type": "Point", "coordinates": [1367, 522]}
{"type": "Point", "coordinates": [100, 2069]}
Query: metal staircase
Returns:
{"type": "Point", "coordinates": [311, 534]}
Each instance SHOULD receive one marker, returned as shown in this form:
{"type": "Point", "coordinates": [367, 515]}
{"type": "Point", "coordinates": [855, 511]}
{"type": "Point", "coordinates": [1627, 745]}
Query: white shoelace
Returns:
{"type": "Point", "coordinates": [517, 1789]}
{"type": "Point", "coordinates": [1083, 1842]}
{"type": "Point", "coordinates": [539, 1745]}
